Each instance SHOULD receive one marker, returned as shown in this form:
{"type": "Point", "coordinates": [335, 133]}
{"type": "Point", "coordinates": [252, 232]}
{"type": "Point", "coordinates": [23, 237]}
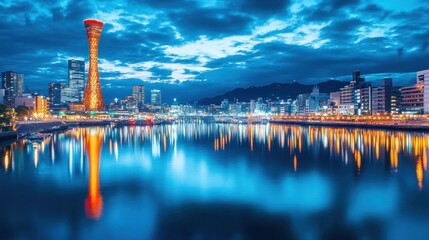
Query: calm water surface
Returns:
{"type": "Point", "coordinates": [216, 181]}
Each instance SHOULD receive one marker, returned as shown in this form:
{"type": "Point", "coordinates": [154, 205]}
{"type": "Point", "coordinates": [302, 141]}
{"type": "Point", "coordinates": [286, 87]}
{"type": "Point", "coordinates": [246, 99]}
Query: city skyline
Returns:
{"type": "Point", "coordinates": [213, 47]}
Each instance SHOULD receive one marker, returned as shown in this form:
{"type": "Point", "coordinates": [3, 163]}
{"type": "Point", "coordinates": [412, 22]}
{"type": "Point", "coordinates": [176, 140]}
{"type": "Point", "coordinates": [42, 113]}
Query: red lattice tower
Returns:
{"type": "Point", "coordinates": [93, 98]}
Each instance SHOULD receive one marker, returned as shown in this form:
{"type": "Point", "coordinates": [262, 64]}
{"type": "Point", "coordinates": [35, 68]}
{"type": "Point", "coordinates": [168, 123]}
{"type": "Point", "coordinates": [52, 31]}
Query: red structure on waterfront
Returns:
{"type": "Point", "coordinates": [93, 98]}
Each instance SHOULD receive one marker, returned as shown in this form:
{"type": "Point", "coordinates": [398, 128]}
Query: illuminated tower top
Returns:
{"type": "Point", "coordinates": [93, 27]}
{"type": "Point", "coordinates": [93, 99]}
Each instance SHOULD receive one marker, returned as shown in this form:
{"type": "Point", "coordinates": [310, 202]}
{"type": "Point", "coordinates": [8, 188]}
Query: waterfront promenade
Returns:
{"type": "Point", "coordinates": [388, 123]}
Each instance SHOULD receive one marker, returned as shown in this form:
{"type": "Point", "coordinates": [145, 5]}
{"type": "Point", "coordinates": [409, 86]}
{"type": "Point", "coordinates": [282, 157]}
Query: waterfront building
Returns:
{"type": "Point", "coordinates": [252, 106]}
{"type": "Point", "coordinates": [412, 97]}
{"type": "Point", "coordinates": [54, 90]}
{"type": "Point", "coordinates": [234, 108]}
{"type": "Point", "coordinates": [13, 83]}
{"type": "Point", "coordinates": [224, 105]}
{"type": "Point", "coordinates": [76, 107]}
{"type": "Point", "coordinates": [138, 94]}
{"type": "Point", "coordinates": [261, 106]}
{"type": "Point", "coordinates": [2, 95]}
{"type": "Point", "coordinates": [282, 108]}
{"type": "Point", "coordinates": [188, 109]}
{"type": "Point", "coordinates": [363, 99]}
{"type": "Point", "coordinates": [301, 104]}
{"type": "Point", "coordinates": [348, 92]}
{"type": "Point", "coordinates": [317, 102]}
{"type": "Point", "coordinates": [130, 103]}
{"type": "Point", "coordinates": [335, 98]}
{"type": "Point", "coordinates": [423, 76]}
{"type": "Point", "coordinates": [76, 78]}
{"type": "Point", "coordinates": [385, 98]}
{"type": "Point", "coordinates": [41, 107]}
{"type": "Point", "coordinates": [334, 102]}
{"type": "Point", "coordinates": [214, 109]}
{"type": "Point", "coordinates": [155, 97]}
{"type": "Point", "coordinates": [356, 96]}
{"type": "Point", "coordinates": [314, 103]}
{"type": "Point", "coordinates": [93, 98]}
{"type": "Point", "coordinates": [26, 100]}
{"type": "Point", "coordinates": [346, 109]}
{"type": "Point", "coordinates": [115, 105]}
{"type": "Point", "coordinates": [68, 94]}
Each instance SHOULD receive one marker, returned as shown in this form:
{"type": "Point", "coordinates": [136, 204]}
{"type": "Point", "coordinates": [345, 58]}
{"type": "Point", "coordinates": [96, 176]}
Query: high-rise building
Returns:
{"type": "Point", "coordinates": [316, 102]}
{"type": "Point", "coordinates": [363, 99]}
{"type": "Point", "coordinates": [68, 95]}
{"type": "Point", "coordinates": [2, 95]}
{"type": "Point", "coordinates": [385, 98]}
{"type": "Point", "coordinates": [413, 97]}
{"type": "Point", "coordinates": [138, 94]}
{"type": "Point", "coordinates": [225, 105]}
{"type": "Point", "coordinates": [55, 90]}
{"type": "Point", "coordinates": [93, 97]}
{"type": "Point", "coordinates": [76, 77]}
{"type": "Point", "coordinates": [13, 83]}
{"type": "Point", "coordinates": [347, 93]}
{"type": "Point", "coordinates": [356, 97]}
{"type": "Point", "coordinates": [302, 104]}
{"type": "Point", "coordinates": [424, 77]}
{"type": "Point", "coordinates": [155, 97]}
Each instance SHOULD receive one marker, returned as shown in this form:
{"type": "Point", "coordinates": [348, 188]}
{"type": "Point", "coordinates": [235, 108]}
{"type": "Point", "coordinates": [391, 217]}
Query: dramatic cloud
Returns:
{"type": "Point", "coordinates": [195, 48]}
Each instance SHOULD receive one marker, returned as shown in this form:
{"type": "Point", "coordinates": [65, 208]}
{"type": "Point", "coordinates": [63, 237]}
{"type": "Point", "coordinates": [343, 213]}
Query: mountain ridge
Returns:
{"type": "Point", "coordinates": [274, 91]}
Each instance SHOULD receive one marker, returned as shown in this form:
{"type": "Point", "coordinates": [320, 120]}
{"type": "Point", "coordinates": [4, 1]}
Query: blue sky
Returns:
{"type": "Point", "coordinates": [193, 48]}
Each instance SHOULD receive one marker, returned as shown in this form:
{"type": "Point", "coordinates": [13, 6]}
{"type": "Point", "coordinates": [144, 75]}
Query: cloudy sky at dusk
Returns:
{"type": "Point", "coordinates": [195, 48]}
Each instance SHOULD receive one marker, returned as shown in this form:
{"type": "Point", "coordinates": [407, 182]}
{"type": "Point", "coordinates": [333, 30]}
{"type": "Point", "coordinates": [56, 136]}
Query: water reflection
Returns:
{"type": "Point", "coordinates": [360, 146]}
{"type": "Point", "coordinates": [94, 201]}
{"type": "Point", "coordinates": [303, 174]}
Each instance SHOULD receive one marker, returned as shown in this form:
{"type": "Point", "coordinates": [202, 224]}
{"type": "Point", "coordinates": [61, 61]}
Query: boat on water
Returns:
{"type": "Point", "coordinates": [60, 128]}
{"type": "Point", "coordinates": [38, 137]}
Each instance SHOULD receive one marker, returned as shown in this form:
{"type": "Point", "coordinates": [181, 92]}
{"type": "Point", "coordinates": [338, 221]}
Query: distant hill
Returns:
{"type": "Point", "coordinates": [272, 91]}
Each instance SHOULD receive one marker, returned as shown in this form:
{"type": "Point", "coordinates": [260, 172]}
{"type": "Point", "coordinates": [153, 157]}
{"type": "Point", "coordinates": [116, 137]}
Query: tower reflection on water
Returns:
{"type": "Point", "coordinates": [94, 201]}
{"type": "Point", "coordinates": [296, 147]}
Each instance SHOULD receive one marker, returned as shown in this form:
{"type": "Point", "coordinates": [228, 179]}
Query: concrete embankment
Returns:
{"type": "Point", "coordinates": [89, 123]}
{"type": "Point", "coordinates": [401, 127]}
{"type": "Point", "coordinates": [36, 127]}
{"type": "Point", "coordinates": [25, 128]}
{"type": "Point", "coordinates": [9, 135]}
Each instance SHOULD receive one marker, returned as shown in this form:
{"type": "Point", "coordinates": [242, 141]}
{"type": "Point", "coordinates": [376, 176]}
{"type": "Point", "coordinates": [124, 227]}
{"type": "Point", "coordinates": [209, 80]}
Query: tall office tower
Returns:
{"type": "Point", "coordinates": [93, 98]}
{"type": "Point", "coordinates": [55, 92]}
{"type": "Point", "coordinates": [355, 98]}
{"type": "Point", "coordinates": [138, 94]}
{"type": "Point", "coordinates": [13, 83]}
{"type": "Point", "coordinates": [76, 77]}
{"type": "Point", "coordinates": [356, 78]}
{"type": "Point", "coordinates": [155, 97]}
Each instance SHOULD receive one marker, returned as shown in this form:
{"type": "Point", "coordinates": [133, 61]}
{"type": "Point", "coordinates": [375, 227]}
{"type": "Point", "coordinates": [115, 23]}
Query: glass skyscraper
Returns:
{"type": "Point", "coordinates": [138, 94]}
{"type": "Point", "coordinates": [55, 93]}
{"type": "Point", "coordinates": [76, 78]}
{"type": "Point", "coordinates": [155, 97]}
{"type": "Point", "coordinates": [13, 83]}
